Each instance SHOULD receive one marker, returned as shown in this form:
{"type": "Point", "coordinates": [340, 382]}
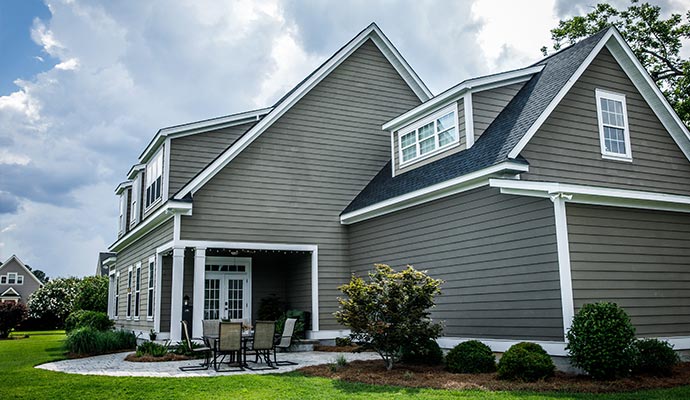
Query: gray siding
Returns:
{"type": "Point", "coordinates": [496, 253]}
{"type": "Point", "coordinates": [140, 251]}
{"type": "Point", "coordinates": [190, 154]}
{"type": "Point", "coordinates": [24, 290]}
{"type": "Point", "coordinates": [488, 104]}
{"type": "Point", "coordinates": [291, 184]}
{"type": "Point", "coordinates": [639, 259]}
{"type": "Point", "coordinates": [566, 148]}
{"type": "Point", "coordinates": [462, 145]}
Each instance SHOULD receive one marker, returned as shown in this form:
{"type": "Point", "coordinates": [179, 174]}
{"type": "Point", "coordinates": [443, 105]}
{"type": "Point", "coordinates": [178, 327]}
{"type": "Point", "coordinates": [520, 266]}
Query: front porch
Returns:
{"type": "Point", "coordinates": [228, 280]}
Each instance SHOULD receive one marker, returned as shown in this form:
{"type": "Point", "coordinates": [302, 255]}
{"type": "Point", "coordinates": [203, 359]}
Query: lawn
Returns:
{"type": "Point", "coordinates": [19, 380]}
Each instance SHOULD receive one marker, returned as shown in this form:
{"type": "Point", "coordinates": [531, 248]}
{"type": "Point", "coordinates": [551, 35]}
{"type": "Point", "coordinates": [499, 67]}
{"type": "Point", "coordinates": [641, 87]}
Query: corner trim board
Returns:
{"type": "Point", "coordinates": [564, 272]}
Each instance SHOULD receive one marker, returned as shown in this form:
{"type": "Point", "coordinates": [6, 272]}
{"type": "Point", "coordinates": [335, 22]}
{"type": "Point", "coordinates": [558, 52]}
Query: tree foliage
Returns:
{"type": "Point", "coordinates": [92, 294]}
{"type": "Point", "coordinates": [390, 310]}
{"type": "Point", "coordinates": [11, 315]}
{"type": "Point", "coordinates": [655, 41]}
{"type": "Point", "coordinates": [54, 302]}
{"type": "Point", "coordinates": [41, 276]}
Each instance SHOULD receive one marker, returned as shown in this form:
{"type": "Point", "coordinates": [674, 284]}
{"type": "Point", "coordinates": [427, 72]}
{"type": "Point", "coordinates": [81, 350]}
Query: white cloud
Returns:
{"type": "Point", "coordinates": [6, 157]}
{"type": "Point", "coordinates": [69, 65]}
{"type": "Point", "coordinates": [8, 228]}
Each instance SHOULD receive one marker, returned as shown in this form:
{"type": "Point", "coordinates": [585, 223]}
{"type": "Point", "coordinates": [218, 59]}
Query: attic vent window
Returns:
{"type": "Point", "coordinates": [614, 134]}
{"type": "Point", "coordinates": [429, 135]}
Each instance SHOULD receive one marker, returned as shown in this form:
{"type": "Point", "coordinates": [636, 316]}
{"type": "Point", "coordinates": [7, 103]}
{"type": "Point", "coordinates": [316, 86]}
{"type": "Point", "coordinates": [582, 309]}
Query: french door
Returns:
{"type": "Point", "coordinates": [227, 288]}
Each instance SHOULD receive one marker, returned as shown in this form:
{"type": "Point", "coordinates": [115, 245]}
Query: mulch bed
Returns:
{"type": "Point", "coordinates": [373, 372]}
{"type": "Point", "coordinates": [168, 357]}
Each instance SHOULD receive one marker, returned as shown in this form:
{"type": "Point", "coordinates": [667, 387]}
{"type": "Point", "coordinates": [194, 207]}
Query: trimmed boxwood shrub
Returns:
{"type": "Point", "coordinates": [600, 341]}
{"type": "Point", "coordinates": [527, 362]}
{"type": "Point", "coordinates": [425, 352]}
{"type": "Point", "coordinates": [470, 357]}
{"type": "Point", "coordinates": [89, 341]}
{"type": "Point", "coordinates": [654, 357]}
{"type": "Point", "coordinates": [92, 319]}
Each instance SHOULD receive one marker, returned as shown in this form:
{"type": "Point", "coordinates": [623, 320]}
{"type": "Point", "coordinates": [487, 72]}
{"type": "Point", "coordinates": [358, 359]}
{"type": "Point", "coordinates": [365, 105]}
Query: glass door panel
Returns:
{"type": "Point", "coordinates": [212, 299]}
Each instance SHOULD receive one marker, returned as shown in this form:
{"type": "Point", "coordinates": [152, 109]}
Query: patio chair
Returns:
{"type": "Point", "coordinates": [284, 341]}
{"type": "Point", "coordinates": [204, 349]}
{"type": "Point", "coordinates": [262, 344]}
{"type": "Point", "coordinates": [229, 345]}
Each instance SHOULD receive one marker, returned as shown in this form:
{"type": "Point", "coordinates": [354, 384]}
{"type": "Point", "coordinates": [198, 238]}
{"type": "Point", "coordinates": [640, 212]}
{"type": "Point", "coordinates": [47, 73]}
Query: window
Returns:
{"type": "Point", "coordinates": [20, 279]}
{"type": "Point", "coordinates": [123, 211]}
{"type": "Point", "coordinates": [152, 276]}
{"type": "Point", "coordinates": [431, 134]}
{"type": "Point", "coordinates": [129, 293]}
{"type": "Point", "coordinates": [3, 280]}
{"type": "Point", "coordinates": [614, 134]}
{"type": "Point", "coordinates": [134, 201]}
{"type": "Point", "coordinates": [117, 295]}
{"type": "Point", "coordinates": [11, 278]}
{"type": "Point", "coordinates": [137, 292]}
{"type": "Point", "coordinates": [154, 179]}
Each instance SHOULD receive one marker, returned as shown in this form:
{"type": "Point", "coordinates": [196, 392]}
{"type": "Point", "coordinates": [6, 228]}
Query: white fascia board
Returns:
{"type": "Point", "coordinates": [595, 195]}
{"type": "Point", "coordinates": [167, 211]}
{"type": "Point", "coordinates": [561, 94]}
{"type": "Point", "coordinates": [430, 193]}
{"type": "Point", "coordinates": [122, 186]}
{"type": "Point", "coordinates": [372, 32]}
{"type": "Point", "coordinates": [135, 170]}
{"type": "Point", "coordinates": [10, 291]}
{"type": "Point", "coordinates": [110, 260]}
{"type": "Point", "coordinates": [454, 93]}
{"type": "Point", "coordinates": [200, 127]}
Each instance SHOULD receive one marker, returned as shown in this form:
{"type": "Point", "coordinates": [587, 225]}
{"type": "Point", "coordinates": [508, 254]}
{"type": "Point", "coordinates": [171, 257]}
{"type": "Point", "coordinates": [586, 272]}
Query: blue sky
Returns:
{"type": "Point", "coordinates": [114, 72]}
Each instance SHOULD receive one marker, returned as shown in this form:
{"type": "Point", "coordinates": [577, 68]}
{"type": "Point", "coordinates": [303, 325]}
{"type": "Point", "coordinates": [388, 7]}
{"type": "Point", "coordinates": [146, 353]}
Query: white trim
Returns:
{"type": "Point", "coordinates": [151, 260]}
{"type": "Point", "coordinates": [600, 94]}
{"type": "Point", "coordinates": [137, 283]}
{"type": "Point", "coordinates": [122, 186]}
{"type": "Point", "coordinates": [158, 290]}
{"type": "Point", "coordinates": [457, 91]}
{"type": "Point", "coordinates": [198, 292]}
{"type": "Point", "coordinates": [166, 169]}
{"type": "Point", "coordinates": [177, 227]}
{"type": "Point", "coordinates": [469, 120]}
{"type": "Point", "coordinates": [502, 345]}
{"type": "Point", "coordinates": [176, 293]}
{"type": "Point", "coordinates": [371, 32]}
{"type": "Point", "coordinates": [154, 160]}
{"type": "Point", "coordinates": [134, 171]}
{"type": "Point", "coordinates": [564, 272]}
{"type": "Point", "coordinates": [21, 264]}
{"type": "Point", "coordinates": [128, 308]}
{"type": "Point", "coordinates": [327, 334]}
{"type": "Point", "coordinates": [315, 289]}
{"type": "Point", "coordinates": [596, 195]}
{"type": "Point", "coordinates": [193, 128]}
{"type": "Point", "coordinates": [15, 294]}
{"type": "Point", "coordinates": [433, 192]}
{"type": "Point", "coordinates": [678, 342]}
{"type": "Point", "coordinates": [413, 127]}
{"type": "Point", "coordinates": [161, 215]}
{"type": "Point", "coordinates": [393, 159]}
{"type": "Point", "coordinates": [165, 247]}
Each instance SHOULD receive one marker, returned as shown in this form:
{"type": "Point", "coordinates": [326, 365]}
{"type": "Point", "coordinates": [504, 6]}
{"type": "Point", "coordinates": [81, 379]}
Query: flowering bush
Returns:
{"type": "Point", "coordinates": [54, 302]}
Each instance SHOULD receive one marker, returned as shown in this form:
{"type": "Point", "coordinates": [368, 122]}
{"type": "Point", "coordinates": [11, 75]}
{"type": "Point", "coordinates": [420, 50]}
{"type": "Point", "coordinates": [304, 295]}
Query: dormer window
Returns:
{"type": "Point", "coordinates": [123, 212]}
{"type": "Point", "coordinates": [154, 179]}
{"type": "Point", "coordinates": [429, 135]}
{"type": "Point", "coordinates": [614, 134]}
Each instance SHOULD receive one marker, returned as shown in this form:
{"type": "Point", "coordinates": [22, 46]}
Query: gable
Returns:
{"type": "Point", "coordinates": [566, 148]}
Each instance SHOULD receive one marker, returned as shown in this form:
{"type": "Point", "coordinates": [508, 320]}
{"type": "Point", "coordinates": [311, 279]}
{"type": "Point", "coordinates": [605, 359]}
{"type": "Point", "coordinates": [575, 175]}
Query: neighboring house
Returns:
{"type": "Point", "coordinates": [17, 282]}
{"type": "Point", "coordinates": [529, 192]}
{"type": "Point", "coordinates": [105, 259]}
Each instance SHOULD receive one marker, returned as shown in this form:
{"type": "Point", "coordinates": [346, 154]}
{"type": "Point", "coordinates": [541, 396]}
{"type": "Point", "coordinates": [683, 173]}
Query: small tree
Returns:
{"type": "Point", "coordinates": [53, 302]}
{"type": "Point", "coordinates": [11, 315]}
{"type": "Point", "coordinates": [390, 310]}
{"type": "Point", "coordinates": [92, 294]}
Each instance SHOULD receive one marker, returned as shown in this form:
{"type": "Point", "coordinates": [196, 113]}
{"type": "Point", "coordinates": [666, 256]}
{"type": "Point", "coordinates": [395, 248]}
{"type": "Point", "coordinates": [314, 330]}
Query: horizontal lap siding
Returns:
{"type": "Point", "coordinates": [190, 154]}
{"type": "Point", "coordinates": [27, 288]}
{"type": "Point", "coordinates": [140, 251]}
{"type": "Point", "coordinates": [488, 104]}
{"type": "Point", "coordinates": [496, 254]}
{"type": "Point", "coordinates": [291, 184]}
{"type": "Point", "coordinates": [566, 148]}
{"type": "Point", "coordinates": [639, 259]}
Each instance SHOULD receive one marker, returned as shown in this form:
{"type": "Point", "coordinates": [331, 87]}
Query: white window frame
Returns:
{"type": "Point", "coordinates": [116, 310]}
{"type": "Point", "coordinates": [137, 292]}
{"type": "Point", "coordinates": [604, 94]}
{"type": "Point", "coordinates": [123, 212]}
{"type": "Point", "coordinates": [134, 201]}
{"type": "Point", "coordinates": [155, 164]}
{"type": "Point", "coordinates": [12, 278]}
{"type": "Point", "coordinates": [151, 305]}
{"type": "Point", "coordinates": [129, 293]}
{"type": "Point", "coordinates": [426, 120]}
{"type": "Point", "coordinates": [20, 280]}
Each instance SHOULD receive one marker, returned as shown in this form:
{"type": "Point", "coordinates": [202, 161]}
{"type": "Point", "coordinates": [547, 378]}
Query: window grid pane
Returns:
{"type": "Point", "coordinates": [436, 134]}
{"type": "Point", "coordinates": [613, 123]}
{"type": "Point", "coordinates": [212, 299]}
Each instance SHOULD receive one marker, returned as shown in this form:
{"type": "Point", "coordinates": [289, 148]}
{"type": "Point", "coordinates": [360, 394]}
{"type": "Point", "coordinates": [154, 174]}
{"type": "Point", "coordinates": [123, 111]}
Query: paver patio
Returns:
{"type": "Point", "coordinates": [115, 365]}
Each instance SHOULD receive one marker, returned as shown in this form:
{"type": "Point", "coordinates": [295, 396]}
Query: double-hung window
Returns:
{"type": "Point", "coordinates": [428, 136]}
{"type": "Point", "coordinates": [154, 179]}
{"type": "Point", "coordinates": [614, 134]}
{"type": "Point", "coordinates": [3, 279]}
{"type": "Point", "coordinates": [123, 212]}
{"type": "Point", "coordinates": [129, 293]}
{"type": "Point", "coordinates": [137, 292]}
{"type": "Point", "coordinates": [116, 311]}
{"type": "Point", "coordinates": [152, 281]}
{"type": "Point", "coordinates": [11, 278]}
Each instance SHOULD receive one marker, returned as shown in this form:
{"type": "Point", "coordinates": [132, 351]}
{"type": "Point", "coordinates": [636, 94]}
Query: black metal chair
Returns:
{"type": "Point", "coordinates": [284, 341]}
{"type": "Point", "coordinates": [262, 344]}
{"type": "Point", "coordinates": [229, 344]}
{"type": "Point", "coordinates": [205, 349]}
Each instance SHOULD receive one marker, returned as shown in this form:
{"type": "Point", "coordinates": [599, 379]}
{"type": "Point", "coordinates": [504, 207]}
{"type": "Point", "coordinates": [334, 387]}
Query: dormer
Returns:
{"type": "Point", "coordinates": [124, 191]}
{"type": "Point", "coordinates": [452, 121]}
{"type": "Point", "coordinates": [136, 176]}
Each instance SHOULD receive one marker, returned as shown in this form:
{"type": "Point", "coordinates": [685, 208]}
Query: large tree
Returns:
{"type": "Point", "coordinates": [655, 41]}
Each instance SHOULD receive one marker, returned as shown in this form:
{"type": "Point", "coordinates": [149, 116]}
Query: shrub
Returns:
{"type": "Point", "coordinates": [93, 319]}
{"type": "Point", "coordinates": [91, 341]}
{"type": "Point", "coordinates": [300, 324]}
{"type": "Point", "coordinates": [343, 341]}
{"type": "Point", "coordinates": [527, 362]}
{"type": "Point", "coordinates": [184, 350]}
{"type": "Point", "coordinates": [53, 302]}
{"type": "Point", "coordinates": [92, 294]}
{"type": "Point", "coordinates": [271, 308]}
{"type": "Point", "coordinates": [471, 357]}
{"type": "Point", "coordinates": [389, 309]}
{"type": "Point", "coordinates": [425, 352]}
{"type": "Point", "coordinates": [654, 357]}
{"type": "Point", "coordinates": [11, 314]}
{"type": "Point", "coordinates": [600, 340]}
{"type": "Point", "coordinates": [152, 349]}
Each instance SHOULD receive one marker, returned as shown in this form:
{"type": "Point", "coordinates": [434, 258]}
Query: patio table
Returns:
{"type": "Point", "coordinates": [212, 342]}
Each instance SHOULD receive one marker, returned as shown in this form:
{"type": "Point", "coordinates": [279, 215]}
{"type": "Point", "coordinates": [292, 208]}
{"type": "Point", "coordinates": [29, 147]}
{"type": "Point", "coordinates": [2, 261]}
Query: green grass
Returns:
{"type": "Point", "coordinates": [19, 380]}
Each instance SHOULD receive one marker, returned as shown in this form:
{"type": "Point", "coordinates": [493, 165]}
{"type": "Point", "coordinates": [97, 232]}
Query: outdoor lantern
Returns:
{"type": "Point", "coordinates": [186, 300]}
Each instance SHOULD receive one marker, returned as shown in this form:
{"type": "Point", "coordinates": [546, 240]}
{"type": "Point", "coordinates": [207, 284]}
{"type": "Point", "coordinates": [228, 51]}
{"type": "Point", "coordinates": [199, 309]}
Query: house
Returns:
{"type": "Point", "coordinates": [529, 192]}
{"type": "Point", "coordinates": [103, 263]}
{"type": "Point", "coordinates": [17, 282]}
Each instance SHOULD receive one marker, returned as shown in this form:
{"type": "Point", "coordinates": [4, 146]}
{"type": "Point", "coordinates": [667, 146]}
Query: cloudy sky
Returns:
{"type": "Point", "coordinates": [84, 85]}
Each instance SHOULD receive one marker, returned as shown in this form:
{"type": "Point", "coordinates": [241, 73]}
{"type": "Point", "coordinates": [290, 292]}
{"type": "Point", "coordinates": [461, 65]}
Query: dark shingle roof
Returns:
{"type": "Point", "coordinates": [494, 145]}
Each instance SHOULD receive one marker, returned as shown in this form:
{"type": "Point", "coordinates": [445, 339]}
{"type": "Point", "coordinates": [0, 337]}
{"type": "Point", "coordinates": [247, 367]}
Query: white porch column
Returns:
{"type": "Point", "coordinates": [567, 303]}
{"type": "Point", "coordinates": [176, 294]}
{"type": "Point", "coordinates": [198, 300]}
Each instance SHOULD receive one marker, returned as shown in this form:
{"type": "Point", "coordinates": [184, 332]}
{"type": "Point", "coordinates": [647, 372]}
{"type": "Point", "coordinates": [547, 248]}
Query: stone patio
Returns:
{"type": "Point", "coordinates": [115, 365]}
